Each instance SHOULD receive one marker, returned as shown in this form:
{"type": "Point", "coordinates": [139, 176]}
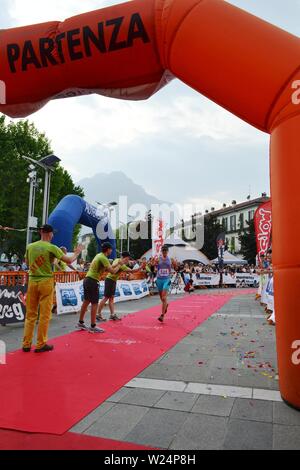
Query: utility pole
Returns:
{"type": "Point", "coordinates": [46, 195]}
{"type": "Point", "coordinates": [32, 220]}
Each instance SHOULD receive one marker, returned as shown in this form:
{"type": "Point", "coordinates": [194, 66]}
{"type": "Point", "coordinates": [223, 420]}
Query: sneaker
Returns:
{"type": "Point", "coordinates": [26, 350]}
{"type": "Point", "coordinates": [96, 330]}
{"type": "Point", "coordinates": [115, 318]}
{"type": "Point", "coordinates": [46, 348]}
{"type": "Point", "coordinates": [101, 319]}
{"type": "Point", "coordinates": [81, 327]}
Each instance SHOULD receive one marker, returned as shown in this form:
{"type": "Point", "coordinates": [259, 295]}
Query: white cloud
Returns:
{"type": "Point", "coordinates": [91, 122]}
{"type": "Point", "coordinates": [202, 118]}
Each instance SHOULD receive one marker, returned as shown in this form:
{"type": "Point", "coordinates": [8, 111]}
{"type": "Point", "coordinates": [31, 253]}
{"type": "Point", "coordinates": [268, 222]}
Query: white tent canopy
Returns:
{"type": "Point", "coordinates": [183, 253]}
{"type": "Point", "coordinates": [174, 240]}
{"type": "Point", "coordinates": [229, 258]}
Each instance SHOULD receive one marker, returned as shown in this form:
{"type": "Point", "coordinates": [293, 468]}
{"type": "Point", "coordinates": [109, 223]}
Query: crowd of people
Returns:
{"type": "Point", "coordinates": [266, 287]}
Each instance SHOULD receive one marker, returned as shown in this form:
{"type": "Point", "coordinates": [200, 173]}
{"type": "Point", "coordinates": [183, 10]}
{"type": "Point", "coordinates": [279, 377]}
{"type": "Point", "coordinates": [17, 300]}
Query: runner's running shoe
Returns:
{"type": "Point", "coordinates": [81, 327]}
{"type": "Point", "coordinates": [96, 330]}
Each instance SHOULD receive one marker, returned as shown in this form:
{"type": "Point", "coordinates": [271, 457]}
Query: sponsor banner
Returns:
{"type": "Point", "coordinates": [238, 280]}
{"type": "Point", "coordinates": [157, 236]}
{"type": "Point", "coordinates": [206, 280]}
{"type": "Point", "coordinates": [263, 228]}
{"type": "Point", "coordinates": [70, 296]}
{"type": "Point", "coordinates": [12, 304]}
{"type": "Point", "coordinates": [229, 279]}
{"type": "Point", "coordinates": [244, 279]}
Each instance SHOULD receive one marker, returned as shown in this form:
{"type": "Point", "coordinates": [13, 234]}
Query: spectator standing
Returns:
{"type": "Point", "coordinates": [40, 257]}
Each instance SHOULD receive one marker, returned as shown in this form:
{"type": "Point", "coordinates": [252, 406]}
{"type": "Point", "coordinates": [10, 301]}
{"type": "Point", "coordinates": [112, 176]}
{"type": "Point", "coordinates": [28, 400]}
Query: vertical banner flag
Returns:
{"type": "Point", "coordinates": [221, 240]}
{"type": "Point", "coordinates": [263, 228]}
{"type": "Point", "coordinates": [157, 236]}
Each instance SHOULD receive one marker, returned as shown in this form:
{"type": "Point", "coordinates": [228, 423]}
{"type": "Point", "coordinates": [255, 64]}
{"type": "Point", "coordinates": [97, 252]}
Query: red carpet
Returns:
{"type": "Point", "coordinates": [50, 393]}
{"type": "Point", "coordinates": [13, 440]}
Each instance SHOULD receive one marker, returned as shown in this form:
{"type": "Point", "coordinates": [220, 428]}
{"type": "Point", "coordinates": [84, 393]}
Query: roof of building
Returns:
{"type": "Point", "coordinates": [239, 207]}
{"type": "Point", "coordinates": [228, 210]}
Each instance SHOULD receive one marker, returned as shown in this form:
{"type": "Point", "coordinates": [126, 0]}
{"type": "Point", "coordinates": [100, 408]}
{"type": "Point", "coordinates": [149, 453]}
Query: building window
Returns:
{"type": "Point", "coordinates": [251, 215]}
{"type": "Point", "coordinates": [233, 223]}
{"type": "Point", "coordinates": [232, 245]}
{"type": "Point", "coordinates": [242, 221]}
{"type": "Point", "coordinates": [225, 223]}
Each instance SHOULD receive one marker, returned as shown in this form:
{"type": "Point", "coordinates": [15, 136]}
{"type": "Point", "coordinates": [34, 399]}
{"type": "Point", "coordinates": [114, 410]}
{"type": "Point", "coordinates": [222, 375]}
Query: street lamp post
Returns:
{"type": "Point", "coordinates": [128, 231]}
{"type": "Point", "coordinates": [31, 220]}
{"type": "Point", "coordinates": [46, 196]}
{"type": "Point", "coordinates": [48, 165]}
{"type": "Point", "coordinates": [110, 208]}
{"type": "Point", "coordinates": [122, 224]}
{"type": "Point", "coordinates": [128, 226]}
{"type": "Point", "coordinates": [121, 234]}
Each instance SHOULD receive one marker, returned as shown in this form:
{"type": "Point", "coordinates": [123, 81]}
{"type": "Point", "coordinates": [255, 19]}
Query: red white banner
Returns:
{"type": "Point", "coordinates": [263, 228]}
{"type": "Point", "coordinates": [158, 236]}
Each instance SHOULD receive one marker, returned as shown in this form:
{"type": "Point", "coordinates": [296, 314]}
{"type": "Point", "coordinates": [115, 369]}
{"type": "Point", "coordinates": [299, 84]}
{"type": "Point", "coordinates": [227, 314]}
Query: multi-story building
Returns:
{"type": "Point", "coordinates": [234, 218]}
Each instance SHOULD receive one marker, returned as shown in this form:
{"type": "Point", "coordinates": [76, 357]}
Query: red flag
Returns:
{"type": "Point", "coordinates": [263, 227]}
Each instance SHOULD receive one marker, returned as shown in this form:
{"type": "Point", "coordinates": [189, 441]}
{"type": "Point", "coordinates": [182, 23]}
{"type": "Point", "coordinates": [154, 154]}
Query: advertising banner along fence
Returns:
{"type": "Point", "coordinates": [69, 297]}
{"type": "Point", "coordinates": [238, 280]}
{"type": "Point", "coordinates": [12, 304]}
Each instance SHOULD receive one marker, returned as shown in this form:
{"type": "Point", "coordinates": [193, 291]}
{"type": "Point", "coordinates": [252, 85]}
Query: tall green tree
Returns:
{"type": "Point", "coordinates": [144, 243]}
{"type": "Point", "coordinates": [212, 229]}
{"type": "Point", "coordinates": [247, 240]}
{"type": "Point", "coordinates": [18, 139]}
{"type": "Point", "coordinates": [92, 250]}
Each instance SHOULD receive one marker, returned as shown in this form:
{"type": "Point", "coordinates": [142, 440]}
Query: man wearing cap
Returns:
{"type": "Point", "coordinates": [40, 257]}
{"type": "Point", "coordinates": [99, 265]}
{"type": "Point", "coordinates": [111, 285]}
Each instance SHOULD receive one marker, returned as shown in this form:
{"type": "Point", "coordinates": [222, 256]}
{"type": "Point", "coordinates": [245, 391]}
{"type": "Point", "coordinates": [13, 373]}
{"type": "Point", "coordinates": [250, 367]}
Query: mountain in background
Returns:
{"type": "Point", "coordinates": [108, 187]}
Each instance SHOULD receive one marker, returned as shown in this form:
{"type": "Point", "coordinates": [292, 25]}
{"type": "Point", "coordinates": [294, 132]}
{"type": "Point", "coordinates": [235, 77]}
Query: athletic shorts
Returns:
{"type": "Point", "coordinates": [163, 284]}
{"type": "Point", "coordinates": [91, 290]}
{"type": "Point", "coordinates": [110, 288]}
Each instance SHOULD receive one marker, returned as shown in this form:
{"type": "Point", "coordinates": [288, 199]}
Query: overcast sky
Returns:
{"type": "Point", "coordinates": [178, 145]}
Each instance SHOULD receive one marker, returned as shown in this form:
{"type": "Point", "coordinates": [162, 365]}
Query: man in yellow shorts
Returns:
{"type": "Point", "coordinates": [40, 257]}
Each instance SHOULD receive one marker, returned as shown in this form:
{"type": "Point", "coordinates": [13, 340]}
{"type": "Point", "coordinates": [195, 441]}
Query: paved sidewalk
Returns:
{"type": "Point", "coordinates": [216, 389]}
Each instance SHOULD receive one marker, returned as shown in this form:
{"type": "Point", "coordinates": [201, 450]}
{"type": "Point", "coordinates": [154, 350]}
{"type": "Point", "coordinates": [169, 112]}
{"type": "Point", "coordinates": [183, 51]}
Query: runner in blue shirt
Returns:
{"type": "Point", "coordinates": [163, 282]}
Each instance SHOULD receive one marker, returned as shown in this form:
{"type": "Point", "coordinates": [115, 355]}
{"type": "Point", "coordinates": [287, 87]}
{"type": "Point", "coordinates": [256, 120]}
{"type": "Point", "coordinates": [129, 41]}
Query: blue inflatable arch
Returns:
{"type": "Point", "coordinates": [74, 210]}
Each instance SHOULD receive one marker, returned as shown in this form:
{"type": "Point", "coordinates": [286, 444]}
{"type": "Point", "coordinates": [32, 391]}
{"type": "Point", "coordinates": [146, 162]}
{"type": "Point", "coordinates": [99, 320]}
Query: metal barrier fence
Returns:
{"type": "Point", "coordinates": [11, 279]}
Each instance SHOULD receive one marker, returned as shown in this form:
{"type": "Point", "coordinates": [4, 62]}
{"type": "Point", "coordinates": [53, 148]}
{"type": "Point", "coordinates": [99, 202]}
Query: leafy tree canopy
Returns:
{"type": "Point", "coordinates": [18, 139]}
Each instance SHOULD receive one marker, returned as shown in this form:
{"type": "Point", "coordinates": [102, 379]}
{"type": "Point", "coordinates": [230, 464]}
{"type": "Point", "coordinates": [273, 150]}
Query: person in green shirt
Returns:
{"type": "Point", "coordinates": [99, 265]}
{"type": "Point", "coordinates": [111, 285]}
{"type": "Point", "coordinates": [40, 257]}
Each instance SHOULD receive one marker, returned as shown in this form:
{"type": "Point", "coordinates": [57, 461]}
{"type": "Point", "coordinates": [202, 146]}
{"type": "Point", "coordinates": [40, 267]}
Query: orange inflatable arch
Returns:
{"type": "Point", "coordinates": [244, 64]}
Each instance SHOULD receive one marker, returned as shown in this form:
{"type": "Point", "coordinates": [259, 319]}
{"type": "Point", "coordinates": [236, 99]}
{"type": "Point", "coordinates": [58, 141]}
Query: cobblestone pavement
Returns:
{"type": "Point", "coordinates": [216, 389]}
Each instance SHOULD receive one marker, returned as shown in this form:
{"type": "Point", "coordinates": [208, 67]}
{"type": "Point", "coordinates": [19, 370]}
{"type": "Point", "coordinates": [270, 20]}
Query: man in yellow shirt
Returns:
{"type": "Point", "coordinates": [111, 285]}
{"type": "Point", "coordinates": [99, 265]}
{"type": "Point", "coordinates": [40, 257]}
